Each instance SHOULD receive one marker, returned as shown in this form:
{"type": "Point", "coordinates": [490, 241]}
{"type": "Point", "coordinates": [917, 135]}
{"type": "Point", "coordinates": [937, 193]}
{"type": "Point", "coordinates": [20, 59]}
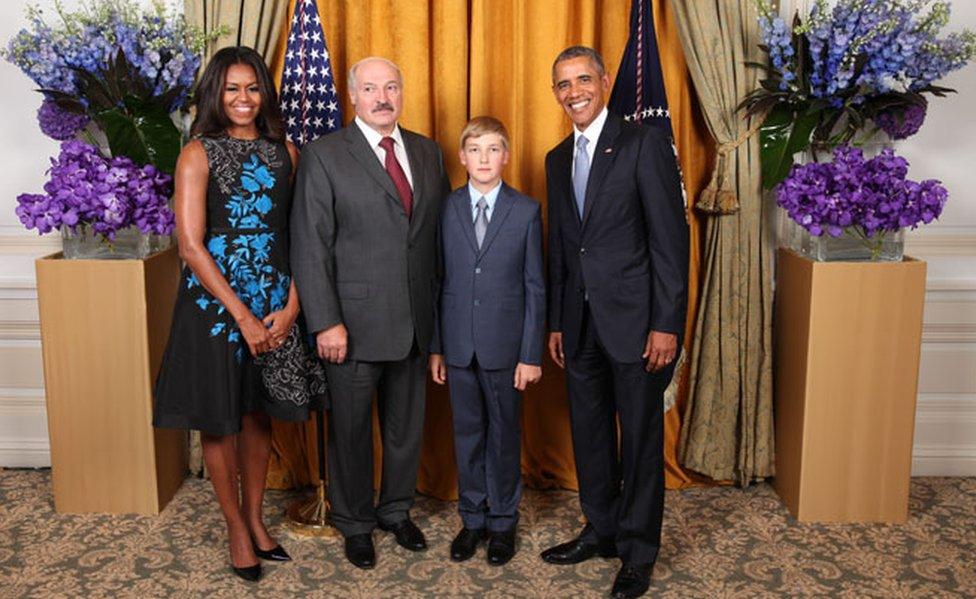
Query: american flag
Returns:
{"type": "Point", "coordinates": [309, 102]}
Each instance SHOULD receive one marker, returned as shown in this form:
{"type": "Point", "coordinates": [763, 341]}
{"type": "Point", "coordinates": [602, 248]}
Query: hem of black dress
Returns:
{"type": "Point", "coordinates": [222, 429]}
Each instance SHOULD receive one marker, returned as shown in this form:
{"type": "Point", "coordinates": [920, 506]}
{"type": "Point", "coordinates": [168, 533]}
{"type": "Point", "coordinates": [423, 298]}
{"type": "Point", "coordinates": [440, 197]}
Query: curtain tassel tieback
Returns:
{"type": "Point", "coordinates": [718, 197]}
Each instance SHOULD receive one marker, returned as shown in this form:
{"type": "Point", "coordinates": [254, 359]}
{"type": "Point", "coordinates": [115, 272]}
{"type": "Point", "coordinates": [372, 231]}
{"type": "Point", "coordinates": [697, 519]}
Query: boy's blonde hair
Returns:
{"type": "Point", "coordinates": [484, 125]}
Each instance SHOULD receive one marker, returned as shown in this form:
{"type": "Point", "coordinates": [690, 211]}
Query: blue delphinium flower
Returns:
{"type": "Point", "coordinates": [868, 47]}
{"type": "Point", "coordinates": [160, 45]}
{"type": "Point", "coordinates": [779, 39]}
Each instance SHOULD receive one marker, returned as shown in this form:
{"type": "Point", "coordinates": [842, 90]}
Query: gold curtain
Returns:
{"type": "Point", "coordinates": [254, 23]}
{"type": "Point", "coordinates": [728, 420]}
{"type": "Point", "coordinates": [462, 59]}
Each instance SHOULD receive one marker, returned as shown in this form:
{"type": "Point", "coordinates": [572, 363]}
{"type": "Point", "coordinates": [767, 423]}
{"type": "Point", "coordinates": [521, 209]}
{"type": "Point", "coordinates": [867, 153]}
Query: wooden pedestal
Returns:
{"type": "Point", "coordinates": [104, 327]}
{"type": "Point", "coordinates": [847, 345]}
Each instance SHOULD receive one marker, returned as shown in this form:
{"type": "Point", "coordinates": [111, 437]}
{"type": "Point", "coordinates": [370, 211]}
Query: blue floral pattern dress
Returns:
{"type": "Point", "coordinates": [208, 377]}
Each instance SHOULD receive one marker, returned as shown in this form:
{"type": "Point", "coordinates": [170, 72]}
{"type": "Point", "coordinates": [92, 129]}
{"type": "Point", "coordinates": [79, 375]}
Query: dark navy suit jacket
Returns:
{"type": "Point", "coordinates": [491, 302]}
{"type": "Point", "coordinates": [628, 255]}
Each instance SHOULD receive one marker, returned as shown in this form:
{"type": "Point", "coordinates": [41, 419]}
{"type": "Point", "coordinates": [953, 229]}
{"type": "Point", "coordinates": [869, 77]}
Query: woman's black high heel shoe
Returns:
{"type": "Point", "coordinates": [276, 554]}
{"type": "Point", "coordinates": [250, 573]}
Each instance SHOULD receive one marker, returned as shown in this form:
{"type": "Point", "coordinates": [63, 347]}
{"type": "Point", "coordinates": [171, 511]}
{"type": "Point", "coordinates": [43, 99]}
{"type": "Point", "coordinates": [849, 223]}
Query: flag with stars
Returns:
{"type": "Point", "coordinates": [638, 92]}
{"type": "Point", "coordinates": [638, 96]}
{"type": "Point", "coordinates": [309, 102]}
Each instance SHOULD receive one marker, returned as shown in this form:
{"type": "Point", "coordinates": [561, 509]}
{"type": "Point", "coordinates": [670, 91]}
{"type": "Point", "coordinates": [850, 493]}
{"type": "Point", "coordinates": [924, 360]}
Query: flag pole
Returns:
{"type": "Point", "coordinates": [310, 516]}
{"type": "Point", "coordinates": [310, 107]}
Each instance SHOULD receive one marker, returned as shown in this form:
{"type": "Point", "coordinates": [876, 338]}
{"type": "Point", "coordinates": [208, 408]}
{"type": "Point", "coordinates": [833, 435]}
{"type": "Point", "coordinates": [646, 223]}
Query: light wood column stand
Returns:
{"type": "Point", "coordinates": [847, 345]}
{"type": "Point", "coordinates": [104, 327]}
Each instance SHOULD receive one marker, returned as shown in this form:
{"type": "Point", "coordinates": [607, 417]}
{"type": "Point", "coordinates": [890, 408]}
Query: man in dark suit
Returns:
{"type": "Point", "coordinates": [488, 337]}
{"type": "Point", "coordinates": [364, 221]}
{"type": "Point", "coordinates": [618, 259]}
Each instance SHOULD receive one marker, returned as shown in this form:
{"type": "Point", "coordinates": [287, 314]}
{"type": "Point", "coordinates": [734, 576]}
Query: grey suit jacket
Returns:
{"type": "Point", "coordinates": [493, 299]}
{"type": "Point", "coordinates": [356, 257]}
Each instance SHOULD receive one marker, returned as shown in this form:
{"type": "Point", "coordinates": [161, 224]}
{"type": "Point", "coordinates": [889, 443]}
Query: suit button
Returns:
{"type": "Point", "coordinates": [477, 271]}
{"type": "Point", "coordinates": [582, 251]}
{"type": "Point", "coordinates": [477, 302]}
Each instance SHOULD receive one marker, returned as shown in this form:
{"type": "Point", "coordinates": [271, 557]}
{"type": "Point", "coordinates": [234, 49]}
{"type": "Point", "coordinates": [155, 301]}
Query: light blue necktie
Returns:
{"type": "Point", "coordinates": [581, 172]}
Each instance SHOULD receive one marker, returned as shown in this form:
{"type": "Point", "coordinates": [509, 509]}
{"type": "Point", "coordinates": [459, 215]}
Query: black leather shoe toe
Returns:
{"type": "Point", "coordinates": [577, 551]}
{"type": "Point", "coordinates": [501, 547]}
{"type": "Point", "coordinates": [632, 581]}
{"type": "Point", "coordinates": [466, 543]}
{"type": "Point", "coordinates": [360, 551]}
{"type": "Point", "coordinates": [407, 534]}
{"type": "Point", "coordinates": [249, 573]}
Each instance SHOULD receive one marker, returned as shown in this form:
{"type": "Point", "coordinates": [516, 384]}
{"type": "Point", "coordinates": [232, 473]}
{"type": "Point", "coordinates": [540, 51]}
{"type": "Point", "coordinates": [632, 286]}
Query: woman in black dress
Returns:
{"type": "Point", "coordinates": [236, 298]}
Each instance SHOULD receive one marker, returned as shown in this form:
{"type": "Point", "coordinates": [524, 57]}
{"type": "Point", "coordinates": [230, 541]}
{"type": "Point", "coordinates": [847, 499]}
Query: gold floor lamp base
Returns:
{"type": "Point", "coordinates": [309, 516]}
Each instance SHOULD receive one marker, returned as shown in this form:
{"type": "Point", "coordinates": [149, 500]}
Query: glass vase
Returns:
{"type": "Point", "coordinates": [83, 243]}
{"type": "Point", "coordinates": [852, 246]}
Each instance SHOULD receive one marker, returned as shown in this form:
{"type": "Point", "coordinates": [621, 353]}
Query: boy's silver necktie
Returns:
{"type": "Point", "coordinates": [481, 220]}
{"type": "Point", "coordinates": [581, 172]}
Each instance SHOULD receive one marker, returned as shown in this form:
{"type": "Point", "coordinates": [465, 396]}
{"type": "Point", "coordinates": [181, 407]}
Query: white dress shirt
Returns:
{"type": "Point", "coordinates": [490, 198]}
{"type": "Point", "coordinates": [373, 138]}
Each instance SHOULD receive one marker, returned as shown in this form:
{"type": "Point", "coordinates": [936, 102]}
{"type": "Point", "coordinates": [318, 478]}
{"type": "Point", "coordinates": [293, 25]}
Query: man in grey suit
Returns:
{"type": "Point", "coordinates": [364, 221]}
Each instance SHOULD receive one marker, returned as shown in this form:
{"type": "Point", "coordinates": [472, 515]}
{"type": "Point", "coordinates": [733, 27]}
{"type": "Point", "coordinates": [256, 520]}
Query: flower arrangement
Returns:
{"type": "Point", "coordinates": [107, 194]}
{"type": "Point", "coordinates": [858, 197]}
{"type": "Point", "coordinates": [846, 65]}
{"type": "Point", "coordinates": [116, 75]}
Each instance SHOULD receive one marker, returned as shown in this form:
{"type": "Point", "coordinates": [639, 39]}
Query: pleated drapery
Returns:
{"type": "Point", "coordinates": [728, 420]}
{"type": "Point", "coordinates": [462, 58]}
{"type": "Point", "coordinates": [254, 23]}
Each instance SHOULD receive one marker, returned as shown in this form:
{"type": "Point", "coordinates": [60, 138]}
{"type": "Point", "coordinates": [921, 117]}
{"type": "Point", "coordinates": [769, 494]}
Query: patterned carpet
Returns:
{"type": "Point", "coordinates": [718, 543]}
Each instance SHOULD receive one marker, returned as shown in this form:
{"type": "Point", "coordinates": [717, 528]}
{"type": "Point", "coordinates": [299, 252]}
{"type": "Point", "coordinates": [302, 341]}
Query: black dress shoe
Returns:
{"type": "Point", "coordinates": [501, 547]}
{"type": "Point", "coordinates": [249, 573]}
{"type": "Point", "coordinates": [578, 550]}
{"type": "Point", "coordinates": [360, 552]}
{"type": "Point", "coordinates": [632, 581]}
{"type": "Point", "coordinates": [275, 554]}
{"type": "Point", "coordinates": [407, 534]}
{"type": "Point", "coordinates": [466, 542]}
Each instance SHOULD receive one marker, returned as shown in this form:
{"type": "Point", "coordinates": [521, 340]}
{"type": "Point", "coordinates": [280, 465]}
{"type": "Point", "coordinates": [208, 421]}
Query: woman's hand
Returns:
{"type": "Point", "coordinates": [279, 324]}
{"type": "Point", "coordinates": [256, 334]}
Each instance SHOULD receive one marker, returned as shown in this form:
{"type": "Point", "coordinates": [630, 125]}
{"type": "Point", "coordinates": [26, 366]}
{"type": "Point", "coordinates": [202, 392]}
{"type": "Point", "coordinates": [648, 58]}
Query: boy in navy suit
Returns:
{"type": "Point", "coordinates": [488, 336]}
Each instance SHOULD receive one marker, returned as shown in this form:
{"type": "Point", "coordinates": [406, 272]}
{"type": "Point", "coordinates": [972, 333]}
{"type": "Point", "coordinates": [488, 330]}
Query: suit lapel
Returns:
{"type": "Point", "coordinates": [461, 200]}
{"type": "Point", "coordinates": [416, 165]}
{"type": "Point", "coordinates": [602, 159]}
{"type": "Point", "coordinates": [360, 150]}
{"type": "Point", "coordinates": [503, 205]}
{"type": "Point", "coordinates": [564, 164]}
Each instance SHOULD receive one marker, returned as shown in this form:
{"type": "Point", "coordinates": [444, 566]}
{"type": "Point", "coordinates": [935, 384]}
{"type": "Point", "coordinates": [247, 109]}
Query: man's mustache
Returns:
{"type": "Point", "coordinates": [383, 106]}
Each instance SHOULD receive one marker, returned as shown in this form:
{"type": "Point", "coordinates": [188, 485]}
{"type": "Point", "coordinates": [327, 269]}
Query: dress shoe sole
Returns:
{"type": "Point", "coordinates": [571, 562]}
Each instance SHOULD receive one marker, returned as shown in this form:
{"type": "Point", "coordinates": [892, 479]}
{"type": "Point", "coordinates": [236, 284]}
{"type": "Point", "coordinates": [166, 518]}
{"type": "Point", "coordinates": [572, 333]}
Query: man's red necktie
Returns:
{"type": "Point", "coordinates": [396, 173]}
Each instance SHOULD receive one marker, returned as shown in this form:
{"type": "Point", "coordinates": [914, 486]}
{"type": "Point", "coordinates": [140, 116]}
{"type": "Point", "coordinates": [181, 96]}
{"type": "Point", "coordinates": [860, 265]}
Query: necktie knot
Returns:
{"type": "Point", "coordinates": [581, 142]}
{"type": "Point", "coordinates": [482, 204]}
{"type": "Point", "coordinates": [387, 143]}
